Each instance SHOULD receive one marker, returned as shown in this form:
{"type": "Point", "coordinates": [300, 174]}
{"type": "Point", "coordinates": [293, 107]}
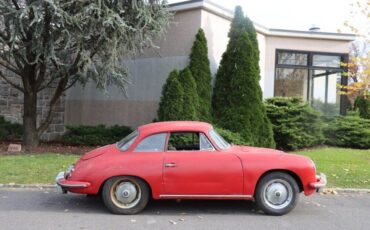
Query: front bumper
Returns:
{"type": "Point", "coordinates": [63, 184]}
{"type": "Point", "coordinates": [320, 183]}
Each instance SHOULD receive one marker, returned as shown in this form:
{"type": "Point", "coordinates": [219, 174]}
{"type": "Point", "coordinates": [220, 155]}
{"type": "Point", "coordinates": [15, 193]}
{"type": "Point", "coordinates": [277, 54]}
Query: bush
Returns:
{"type": "Point", "coordinates": [295, 124]}
{"type": "Point", "coordinates": [200, 69]}
{"type": "Point", "coordinates": [172, 99]}
{"type": "Point", "coordinates": [350, 131]}
{"type": "Point", "coordinates": [190, 100]}
{"type": "Point", "coordinates": [94, 135]}
{"type": "Point", "coordinates": [232, 137]}
{"type": "Point", "coordinates": [10, 131]}
{"type": "Point", "coordinates": [362, 104]}
{"type": "Point", "coordinates": [237, 99]}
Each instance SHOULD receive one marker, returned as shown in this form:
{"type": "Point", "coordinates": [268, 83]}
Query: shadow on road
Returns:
{"type": "Point", "coordinates": [50, 201]}
{"type": "Point", "coordinates": [94, 204]}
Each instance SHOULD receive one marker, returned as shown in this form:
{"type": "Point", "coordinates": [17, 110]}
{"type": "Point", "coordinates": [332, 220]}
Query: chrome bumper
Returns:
{"type": "Point", "coordinates": [63, 184]}
{"type": "Point", "coordinates": [320, 183]}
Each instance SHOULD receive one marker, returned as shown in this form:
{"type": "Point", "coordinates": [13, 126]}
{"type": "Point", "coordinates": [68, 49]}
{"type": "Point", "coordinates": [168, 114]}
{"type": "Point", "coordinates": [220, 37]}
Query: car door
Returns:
{"type": "Point", "coordinates": [196, 169]}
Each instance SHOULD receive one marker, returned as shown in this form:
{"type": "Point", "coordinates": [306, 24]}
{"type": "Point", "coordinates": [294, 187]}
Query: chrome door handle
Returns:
{"type": "Point", "coordinates": [170, 165]}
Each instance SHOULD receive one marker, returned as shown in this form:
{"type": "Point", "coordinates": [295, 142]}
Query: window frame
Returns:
{"type": "Point", "coordinates": [310, 68]}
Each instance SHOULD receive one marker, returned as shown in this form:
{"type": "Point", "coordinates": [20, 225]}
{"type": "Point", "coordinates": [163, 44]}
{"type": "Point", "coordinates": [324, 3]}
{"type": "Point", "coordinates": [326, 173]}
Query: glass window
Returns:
{"type": "Point", "coordinates": [290, 58]}
{"type": "Point", "coordinates": [205, 144]}
{"type": "Point", "coordinates": [325, 95]}
{"type": "Point", "coordinates": [291, 82]}
{"type": "Point", "coordinates": [184, 141]}
{"type": "Point", "coordinates": [126, 142]}
{"type": "Point", "coordinates": [153, 143]}
{"type": "Point", "coordinates": [219, 140]}
{"type": "Point", "coordinates": [326, 61]}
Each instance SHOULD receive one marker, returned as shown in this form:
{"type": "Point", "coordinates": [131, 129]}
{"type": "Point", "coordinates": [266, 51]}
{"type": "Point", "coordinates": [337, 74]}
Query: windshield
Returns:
{"type": "Point", "coordinates": [219, 140]}
{"type": "Point", "coordinates": [126, 142]}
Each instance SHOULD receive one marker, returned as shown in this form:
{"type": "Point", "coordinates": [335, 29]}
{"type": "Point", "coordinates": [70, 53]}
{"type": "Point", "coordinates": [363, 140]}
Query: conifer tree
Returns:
{"type": "Point", "coordinates": [237, 101]}
{"type": "Point", "coordinates": [191, 99]}
{"type": "Point", "coordinates": [172, 99]}
{"type": "Point", "coordinates": [200, 69]}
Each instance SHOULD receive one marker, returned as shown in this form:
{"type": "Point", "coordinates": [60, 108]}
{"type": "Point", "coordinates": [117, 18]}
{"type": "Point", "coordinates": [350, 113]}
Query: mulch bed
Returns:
{"type": "Point", "coordinates": [47, 147]}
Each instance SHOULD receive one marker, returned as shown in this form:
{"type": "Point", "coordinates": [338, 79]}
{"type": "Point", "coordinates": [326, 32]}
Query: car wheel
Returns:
{"type": "Point", "coordinates": [125, 195]}
{"type": "Point", "coordinates": [277, 193]}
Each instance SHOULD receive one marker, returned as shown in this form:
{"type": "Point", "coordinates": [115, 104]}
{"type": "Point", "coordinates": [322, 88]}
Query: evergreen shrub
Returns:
{"type": "Point", "coordinates": [94, 135]}
{"type": "Point", "coordinates": [350, 132]}
{"type": "Point", "coordinates": [295, 124]}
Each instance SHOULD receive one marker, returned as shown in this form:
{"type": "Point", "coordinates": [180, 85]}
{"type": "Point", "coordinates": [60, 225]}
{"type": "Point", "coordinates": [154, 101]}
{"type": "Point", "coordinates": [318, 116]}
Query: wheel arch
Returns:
{"type": "Point", "coordinates": [291, 173]}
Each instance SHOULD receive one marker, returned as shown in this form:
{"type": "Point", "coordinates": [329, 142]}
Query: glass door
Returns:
{"type": "Point", "coordinates": [324, 92]}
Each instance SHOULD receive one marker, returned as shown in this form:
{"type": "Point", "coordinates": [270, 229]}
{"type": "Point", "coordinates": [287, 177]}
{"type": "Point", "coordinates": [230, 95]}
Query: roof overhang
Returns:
{"type": "Point", "coordinates": [228, 14]}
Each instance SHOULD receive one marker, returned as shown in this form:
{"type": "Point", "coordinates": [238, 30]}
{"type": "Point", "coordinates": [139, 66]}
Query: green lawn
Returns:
{"type": "Point", "coordinates": [345, 168]}
{"type": "Point", "coordinates": [29, 169]}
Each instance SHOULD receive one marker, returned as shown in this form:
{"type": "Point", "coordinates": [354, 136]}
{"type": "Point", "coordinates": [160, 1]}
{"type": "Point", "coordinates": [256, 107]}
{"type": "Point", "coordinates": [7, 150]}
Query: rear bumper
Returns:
{"type": "Point", "coordinates": [63, 184]}
{"type": "Point", "coordinates": [320, 182]}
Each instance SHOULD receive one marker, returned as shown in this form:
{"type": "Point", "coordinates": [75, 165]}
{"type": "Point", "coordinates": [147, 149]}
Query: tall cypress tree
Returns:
{"type": "Point", "coordinates": [191, 99]}
{"type": "Point", "coordinates": [172, 99]}
{"type": "Point", "coordinates": [237, 101]}
{"type": "Point", "coordinates": [200, 69]}
{"type": "Point", "coordinates": [220, 102]}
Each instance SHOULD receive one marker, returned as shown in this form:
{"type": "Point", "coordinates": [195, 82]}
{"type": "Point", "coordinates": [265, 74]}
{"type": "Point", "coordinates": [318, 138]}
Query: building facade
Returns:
{"type": "Point", "coordinates": [292, 63]}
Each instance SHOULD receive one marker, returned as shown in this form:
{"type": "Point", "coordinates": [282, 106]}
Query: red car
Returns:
{"type": "Point", "coordinates": [189, 160]}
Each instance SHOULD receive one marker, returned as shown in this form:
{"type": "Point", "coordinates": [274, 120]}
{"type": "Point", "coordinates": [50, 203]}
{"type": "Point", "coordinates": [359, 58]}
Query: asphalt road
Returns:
{"type": "Point", "coordinates": [46, 209]}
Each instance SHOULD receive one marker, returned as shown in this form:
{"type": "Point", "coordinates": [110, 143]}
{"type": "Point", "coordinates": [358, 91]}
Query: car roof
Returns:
{"type": "Point", "coordinates": [173, 126]}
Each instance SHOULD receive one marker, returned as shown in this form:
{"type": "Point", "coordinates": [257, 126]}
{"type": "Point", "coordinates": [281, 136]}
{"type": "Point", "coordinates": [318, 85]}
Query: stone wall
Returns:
{"type": "Point", "coordinates": [11, 107]}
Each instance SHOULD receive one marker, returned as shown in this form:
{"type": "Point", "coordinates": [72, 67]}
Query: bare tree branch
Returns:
{"type": "Point", "coordinates": [15, 85]}
{"type": "Point", "coordinates": [11, 68]}
{"type": "Point", "coordinates": [16, 4]}
{"type": "Point", "coordinates": [46, 37]}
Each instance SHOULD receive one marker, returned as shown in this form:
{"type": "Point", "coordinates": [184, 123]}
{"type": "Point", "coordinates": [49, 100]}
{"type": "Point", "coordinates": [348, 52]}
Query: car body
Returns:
{"type": "Point", "coordinates": [189, 160]}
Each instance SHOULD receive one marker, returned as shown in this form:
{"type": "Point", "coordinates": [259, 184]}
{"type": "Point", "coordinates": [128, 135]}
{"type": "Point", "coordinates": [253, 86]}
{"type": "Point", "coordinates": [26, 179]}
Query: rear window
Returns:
{"type": "Point", "coordinates": [126, 142]}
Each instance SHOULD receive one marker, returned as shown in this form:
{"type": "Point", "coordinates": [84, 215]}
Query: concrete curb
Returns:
{"type": "Point", "coordinates": [50, 186]}
{"type": "Point", "coordinates": [39, 186]}
{"type": "Point", "coordinates": [350, 190]}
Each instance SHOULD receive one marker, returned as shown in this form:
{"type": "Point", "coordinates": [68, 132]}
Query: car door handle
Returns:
{"type": "Point", "coordinates": [170, 165]}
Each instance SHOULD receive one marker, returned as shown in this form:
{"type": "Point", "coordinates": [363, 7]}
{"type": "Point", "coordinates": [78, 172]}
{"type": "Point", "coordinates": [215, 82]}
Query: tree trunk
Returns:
{"type": "Point", "coordinates": [30, 134]}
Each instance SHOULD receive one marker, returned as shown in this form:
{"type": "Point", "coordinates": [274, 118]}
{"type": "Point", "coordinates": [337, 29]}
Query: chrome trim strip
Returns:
{"type": "Point", "coordinates": [207, 196]}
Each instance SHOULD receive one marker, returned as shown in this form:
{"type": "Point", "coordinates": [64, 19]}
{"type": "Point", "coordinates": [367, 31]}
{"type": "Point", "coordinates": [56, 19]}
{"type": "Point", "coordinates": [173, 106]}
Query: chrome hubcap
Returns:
{"type": "Point", "coordinates": [278, 194]}
{"type": "Point", "coordinates": [126, 194]}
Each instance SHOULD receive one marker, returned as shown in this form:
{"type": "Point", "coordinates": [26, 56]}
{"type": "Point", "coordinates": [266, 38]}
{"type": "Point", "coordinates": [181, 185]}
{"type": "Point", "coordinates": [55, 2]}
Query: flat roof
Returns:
{"type": "Point", "coordinates": [228, 14]}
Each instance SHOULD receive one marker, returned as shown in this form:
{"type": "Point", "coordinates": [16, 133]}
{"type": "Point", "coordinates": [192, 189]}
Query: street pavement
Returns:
{"type": "Point", "coordinates": [22, 208]}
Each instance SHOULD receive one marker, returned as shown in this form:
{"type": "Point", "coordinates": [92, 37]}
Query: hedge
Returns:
{"type": "Point", "coordinates": [350, 132]}
{"type": "Point", "coordinates": [10, 131]}
{"type": "Point", "coordinates": [94, 135]}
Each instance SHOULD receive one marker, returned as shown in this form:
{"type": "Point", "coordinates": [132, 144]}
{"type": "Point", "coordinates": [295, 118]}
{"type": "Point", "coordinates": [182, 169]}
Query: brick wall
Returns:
{"type": "Point", "coordinates": [11, 107]}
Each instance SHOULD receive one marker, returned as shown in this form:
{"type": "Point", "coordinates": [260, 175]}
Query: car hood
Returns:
{"type": "Point", "coordinates": [97, 152]}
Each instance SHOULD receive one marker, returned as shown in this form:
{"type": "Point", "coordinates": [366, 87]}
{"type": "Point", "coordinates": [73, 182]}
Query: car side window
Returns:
{"type": "Point", "coordinates": [184, 141]}
{"type": "Point", "coordinates": [153, 143]}
{"type": "Point", "coordinates": [205, 144]}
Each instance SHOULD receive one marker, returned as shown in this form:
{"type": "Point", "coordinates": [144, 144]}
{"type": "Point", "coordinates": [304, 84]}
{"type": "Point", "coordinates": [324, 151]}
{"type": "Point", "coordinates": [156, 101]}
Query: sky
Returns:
{"type": "Point", "coordinates": [329, 15]}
